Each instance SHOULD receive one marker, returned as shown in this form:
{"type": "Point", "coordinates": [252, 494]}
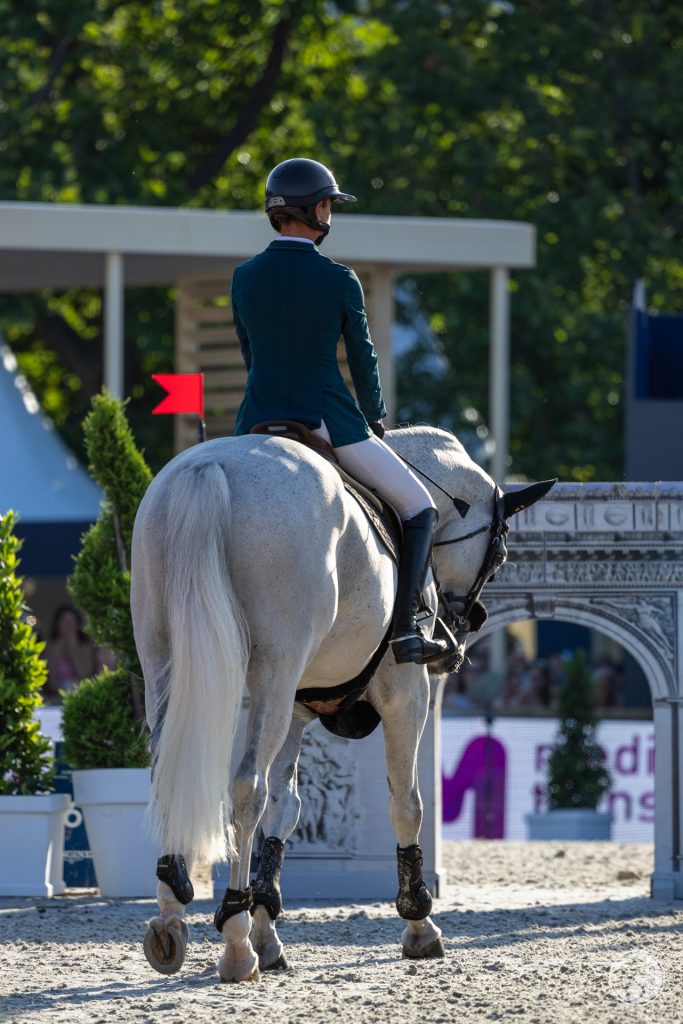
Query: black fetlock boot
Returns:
{"type": "Point", "coordinates": [408, 642]}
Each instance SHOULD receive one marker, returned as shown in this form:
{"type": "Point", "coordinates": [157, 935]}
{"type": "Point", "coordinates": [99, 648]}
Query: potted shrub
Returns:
{"type": "Point", "coordinates": [32, 818]}
{"type": "Point", "coordinates": [103, 725]}
{"type": "Point", "coordinates": [577, 774]}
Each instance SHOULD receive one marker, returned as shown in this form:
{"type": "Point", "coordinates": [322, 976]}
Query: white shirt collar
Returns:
{"type": "Point", "coordinates": [294, 238]}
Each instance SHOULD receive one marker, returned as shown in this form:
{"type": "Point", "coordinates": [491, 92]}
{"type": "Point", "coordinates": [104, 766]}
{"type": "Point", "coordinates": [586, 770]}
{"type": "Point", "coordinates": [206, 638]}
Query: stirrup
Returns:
{"type": "Point", "coordinates": [418, 649]}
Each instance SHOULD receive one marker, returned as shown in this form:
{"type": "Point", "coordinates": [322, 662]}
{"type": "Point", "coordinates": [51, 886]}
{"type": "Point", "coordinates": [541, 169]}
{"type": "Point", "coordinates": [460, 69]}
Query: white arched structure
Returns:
{"type": "Point", "coordinates": [610, 556]}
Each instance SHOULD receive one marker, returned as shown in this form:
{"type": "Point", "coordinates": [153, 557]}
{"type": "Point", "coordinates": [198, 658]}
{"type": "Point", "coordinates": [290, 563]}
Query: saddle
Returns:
{"type": "Point", "coordinates": [339, 708]}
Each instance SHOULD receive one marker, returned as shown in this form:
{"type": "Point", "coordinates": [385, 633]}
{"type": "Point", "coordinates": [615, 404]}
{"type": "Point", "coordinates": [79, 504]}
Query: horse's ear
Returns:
{"type": "Point", "coordinates": [515, 501]}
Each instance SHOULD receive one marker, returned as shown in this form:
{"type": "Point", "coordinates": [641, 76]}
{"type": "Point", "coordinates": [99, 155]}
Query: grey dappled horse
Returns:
{"type": "Point", "coordinates": [251, 564]}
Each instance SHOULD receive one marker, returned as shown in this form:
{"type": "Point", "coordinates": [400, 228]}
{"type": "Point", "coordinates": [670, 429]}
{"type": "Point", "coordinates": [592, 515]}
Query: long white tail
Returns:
{"type": "Point", "coordinates": [191, 806]}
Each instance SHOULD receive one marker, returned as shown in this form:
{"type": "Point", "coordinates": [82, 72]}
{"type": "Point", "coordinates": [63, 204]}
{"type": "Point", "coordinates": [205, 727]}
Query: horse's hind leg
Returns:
{"type": "Point", "coordinates": [278, 822]}
{"type": "Point", "coordinates": [167, 936]}
{"type": "Point", "coordinates": [403, 705]}
{"type": "Point", "coordinates": [267, 729]}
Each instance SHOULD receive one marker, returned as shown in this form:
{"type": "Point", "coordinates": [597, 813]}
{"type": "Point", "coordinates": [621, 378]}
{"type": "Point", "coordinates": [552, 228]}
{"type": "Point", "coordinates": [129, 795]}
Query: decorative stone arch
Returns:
{"type": "Point", "coordinates": [610, 557]}
{"type": "Point", "coordinates": [607, 616]}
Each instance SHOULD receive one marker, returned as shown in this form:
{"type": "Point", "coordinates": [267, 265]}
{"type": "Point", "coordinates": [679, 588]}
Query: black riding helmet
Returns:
{"type": "Point", "coordinates": [296, 186]}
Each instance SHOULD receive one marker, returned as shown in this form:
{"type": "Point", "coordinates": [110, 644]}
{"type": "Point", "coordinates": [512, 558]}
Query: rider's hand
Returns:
{"type": "Point", "coordinates": [377, 427]}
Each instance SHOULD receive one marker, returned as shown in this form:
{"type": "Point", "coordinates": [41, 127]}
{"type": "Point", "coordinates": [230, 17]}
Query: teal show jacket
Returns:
{"type": "Point", "coordinates": [290, 306]}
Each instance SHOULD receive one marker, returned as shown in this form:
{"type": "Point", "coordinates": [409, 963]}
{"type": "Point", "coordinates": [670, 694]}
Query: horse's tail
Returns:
{"type": "Point", "coordinates": [209, 649]}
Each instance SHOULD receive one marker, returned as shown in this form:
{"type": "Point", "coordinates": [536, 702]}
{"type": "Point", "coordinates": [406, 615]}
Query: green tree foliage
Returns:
{"type": "Point", "coordinates": [102, 716]}
{"type": "Point", "coordinates": [565, 114]}
{"type": "Point", "coordinates": [100, 583]}
{"type": "Point", "coordinates": [99, 724]}
{"type": "Point", "coordinates": [25, 756]}
{"type": "Point", "coordinates": [577, 776]}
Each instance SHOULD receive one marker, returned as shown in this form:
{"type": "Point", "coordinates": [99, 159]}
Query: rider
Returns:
{"type": "Point", "coordinates": [290, 305]}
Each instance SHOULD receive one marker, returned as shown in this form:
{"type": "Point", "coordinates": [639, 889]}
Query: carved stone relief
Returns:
{"type": "Point", "coordinates": [611, 552]}
{"type": "Point", "coordinates": [327, 787]}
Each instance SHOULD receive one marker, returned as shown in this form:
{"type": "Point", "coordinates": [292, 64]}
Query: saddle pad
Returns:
{"type": "Point", "coordinates": [385, 523]}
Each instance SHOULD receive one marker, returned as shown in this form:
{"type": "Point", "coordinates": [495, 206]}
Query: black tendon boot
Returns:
{"type": "Point", "coordinates": [407, 640]}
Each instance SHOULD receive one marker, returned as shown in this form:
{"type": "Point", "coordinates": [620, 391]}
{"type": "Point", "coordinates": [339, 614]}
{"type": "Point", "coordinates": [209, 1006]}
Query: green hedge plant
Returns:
{"type": "Point", "coordinates": [99, 724]}
{"type": "Point", "coordinates": [26, 763]}
{"type": "Point", "coordinates": [577, 774]}
{"type": "Point", "coordinates": [103, 717]}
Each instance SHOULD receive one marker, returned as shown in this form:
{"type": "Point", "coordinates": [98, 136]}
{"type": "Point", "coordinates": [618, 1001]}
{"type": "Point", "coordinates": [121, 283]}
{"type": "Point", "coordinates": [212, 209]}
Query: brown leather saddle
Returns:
{"type": "Point", "coordinates": [338, 707]}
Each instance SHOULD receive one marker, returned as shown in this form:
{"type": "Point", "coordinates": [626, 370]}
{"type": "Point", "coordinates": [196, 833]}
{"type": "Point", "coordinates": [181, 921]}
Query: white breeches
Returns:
{"type": "Point", "coordinates": [377, 466]}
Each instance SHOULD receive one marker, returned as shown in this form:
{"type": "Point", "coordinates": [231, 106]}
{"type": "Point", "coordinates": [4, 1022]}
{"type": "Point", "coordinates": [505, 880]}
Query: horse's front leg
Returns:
{"type": "Point", "coordinates": [266, 732]}
{"type": "Point", "coordinates": [278, 823]}
{"type": "Point", "coordinates": [402, 699]}
{"type": "Point", "coordinates": [167, 936]}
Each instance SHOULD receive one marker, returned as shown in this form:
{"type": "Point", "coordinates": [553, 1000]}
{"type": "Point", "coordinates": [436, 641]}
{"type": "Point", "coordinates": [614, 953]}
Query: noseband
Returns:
{"type": "Point", "coordinates": [473, 614]}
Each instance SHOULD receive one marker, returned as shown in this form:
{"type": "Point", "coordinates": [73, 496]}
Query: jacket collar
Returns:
{"type": "Point", "coordinates": [281, 243]}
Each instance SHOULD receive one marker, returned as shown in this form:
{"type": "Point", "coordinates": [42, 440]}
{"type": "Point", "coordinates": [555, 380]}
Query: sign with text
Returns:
{"type": "Point", "coordinates": [493, 776]}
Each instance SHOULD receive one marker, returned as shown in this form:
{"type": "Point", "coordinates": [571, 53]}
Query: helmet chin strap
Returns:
{"type": "Point", "coordinates": [306, 217]}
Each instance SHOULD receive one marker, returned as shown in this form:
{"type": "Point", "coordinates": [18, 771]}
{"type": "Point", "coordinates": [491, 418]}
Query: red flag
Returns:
{"type": "Point", "coordinates": [185, 392]}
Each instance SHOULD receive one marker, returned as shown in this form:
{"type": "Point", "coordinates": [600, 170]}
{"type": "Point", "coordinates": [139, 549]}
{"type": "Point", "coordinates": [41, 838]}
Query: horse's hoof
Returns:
{"type": "Point", "coordinates": [245, 970]}
{"type": "Point", "coordinates": [433, 949]}
{"type": "Point", "coordinates": [234, 977]}
{"type": "Point", "coordinates": [278, 965]}
{"type": "Point", "coordinates": [165, 943]}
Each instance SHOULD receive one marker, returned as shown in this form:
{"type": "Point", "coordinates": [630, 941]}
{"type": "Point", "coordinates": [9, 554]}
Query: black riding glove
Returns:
{"type": "Point", "coordinates": [377, 427]}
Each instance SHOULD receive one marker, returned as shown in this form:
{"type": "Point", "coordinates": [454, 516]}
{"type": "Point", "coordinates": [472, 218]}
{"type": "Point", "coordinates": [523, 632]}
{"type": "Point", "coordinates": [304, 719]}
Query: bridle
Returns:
{"type": "Point", "coordinates": [473, 614]}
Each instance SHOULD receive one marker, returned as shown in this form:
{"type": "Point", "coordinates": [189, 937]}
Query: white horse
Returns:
{"type": "Point", "coordinates": [251, 564]}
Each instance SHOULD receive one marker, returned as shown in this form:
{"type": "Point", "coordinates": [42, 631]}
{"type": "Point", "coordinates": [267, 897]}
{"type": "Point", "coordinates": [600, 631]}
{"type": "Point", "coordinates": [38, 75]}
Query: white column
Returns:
{"type": "Point", "coordinates": [665, 875]}
{"type": "Point", "coordinates": [499, 371]}
{"type": "Point", "coordinates": [499, 417]}
{"type": "Point", "coordinates": [381, 315]}
{"type": "Point", "coordinates": [113, 324]}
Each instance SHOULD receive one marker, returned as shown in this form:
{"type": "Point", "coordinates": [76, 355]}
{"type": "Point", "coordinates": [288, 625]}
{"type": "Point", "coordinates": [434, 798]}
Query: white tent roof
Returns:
{"type": "Point", "coordinates": [40, 478]}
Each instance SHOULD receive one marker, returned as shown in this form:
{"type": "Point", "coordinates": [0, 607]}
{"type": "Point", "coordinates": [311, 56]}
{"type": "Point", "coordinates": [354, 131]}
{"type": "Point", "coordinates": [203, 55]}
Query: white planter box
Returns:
{"type": "Point", "coordinates": [113, 801]}
{"type": "Point", "coordinates": [32, 844]}
{"type": "Point", "coordinates": [570, 824]}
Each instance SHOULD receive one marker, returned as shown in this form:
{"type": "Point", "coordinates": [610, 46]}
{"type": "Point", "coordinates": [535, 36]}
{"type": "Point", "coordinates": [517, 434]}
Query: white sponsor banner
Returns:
{"type": "Point", "coordinates": [493, 776]}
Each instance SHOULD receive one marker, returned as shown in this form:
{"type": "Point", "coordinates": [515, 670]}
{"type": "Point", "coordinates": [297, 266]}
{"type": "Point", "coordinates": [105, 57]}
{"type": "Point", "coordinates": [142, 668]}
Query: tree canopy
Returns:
{"type": "Point", "coordinates": [564, 113]}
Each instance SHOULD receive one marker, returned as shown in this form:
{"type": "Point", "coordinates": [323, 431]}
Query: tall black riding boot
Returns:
{"type": "Point", "coordinates": [408, 641]}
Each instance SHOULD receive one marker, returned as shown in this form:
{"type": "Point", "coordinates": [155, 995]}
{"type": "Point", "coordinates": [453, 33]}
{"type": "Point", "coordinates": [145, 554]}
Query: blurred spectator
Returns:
{"type": "Point", "coordinates": [513, 691]}
{"type": "Point", "coordinates": [537, 686]}
{"type": "Point", "coordinates": [606, 680]}
{"type": "Point", "coordinates": [461, 692]}
{"type": "Point", "coordinates": [557, 671]}
{"type": "Point", "coordinates": [517, 659]}
{"type": "Point", "coordinates": [70, 654]}
{"type": "Point", "coordinates": [531, 686]}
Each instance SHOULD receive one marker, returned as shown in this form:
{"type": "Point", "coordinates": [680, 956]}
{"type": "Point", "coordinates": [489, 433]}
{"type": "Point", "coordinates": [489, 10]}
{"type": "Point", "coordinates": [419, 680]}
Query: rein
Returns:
{"type": "Point", "coordinates": [460, 504]}
{"type": "Point", "coordinates": [498, 527]}
{"type": "Point", "coordinates": [473, 615]}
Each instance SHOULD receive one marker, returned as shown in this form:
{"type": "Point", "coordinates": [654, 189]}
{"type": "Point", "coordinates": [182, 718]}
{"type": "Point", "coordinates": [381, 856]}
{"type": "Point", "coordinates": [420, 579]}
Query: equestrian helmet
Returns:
{"type": "Point", "coordinates": [295, 187]}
